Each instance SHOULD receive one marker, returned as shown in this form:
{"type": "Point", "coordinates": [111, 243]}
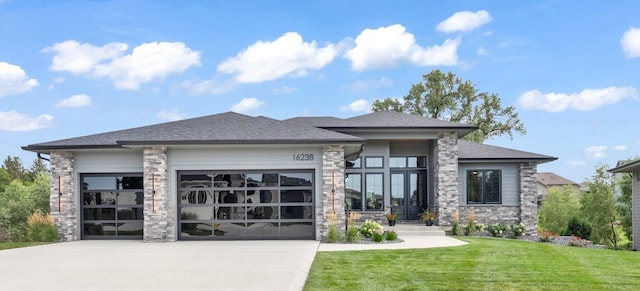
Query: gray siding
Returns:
{"type": "Point", "coordinates": [635, 212]}
{"type": "Point", "coordinates": [510, 181]}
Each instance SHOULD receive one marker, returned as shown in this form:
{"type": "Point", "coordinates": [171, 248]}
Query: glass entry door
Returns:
{"type": "Point", "coordinates": [408, 194]}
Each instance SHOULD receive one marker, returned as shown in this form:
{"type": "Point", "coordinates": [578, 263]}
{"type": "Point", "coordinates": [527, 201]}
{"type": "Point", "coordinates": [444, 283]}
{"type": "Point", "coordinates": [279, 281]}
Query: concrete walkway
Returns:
{"type": "Point", "coordinates": [184, 265]}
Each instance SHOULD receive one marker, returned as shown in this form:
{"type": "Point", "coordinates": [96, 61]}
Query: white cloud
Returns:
{"type": "Point", "coordinates": [621, 147]}
{"type": "Point", "coordinates": [364, 85]}
{"type": "Point", "coordinates": [146, 62]}
{"type": "Point", "coordinates": [385, 47]}
{"type": "Point", "coordinates": [270, 60]}
{"type": "Point", "coordinates": [282, 90]}
{"type": "Point", "coordinates": [14, 121]}
{"type": "Point", "coordinates": [359, 105]}
{"type": "Point", "coordinates": [630, 42]}
{"type": "Point", "coordinates": [14, 80]}
{"type": "Point", "coordinates": [80, 100]}
{"type": "Point", "coordinates": [576, 163]}
{"type": "Point", "coordinates": [213, 86]}
{"type": "Point", "coordinates": [172, 115]}
{"type": "Point", "coordinates": [587, 99]}
{"type": "Point", "coordinates": [464, 21]}
{"type": "Point", "coordinates": [596, 152]}
{"type": "Point", "coordinates": [482, 51]}
{"type": "Point", "coordinates": [247, 104]}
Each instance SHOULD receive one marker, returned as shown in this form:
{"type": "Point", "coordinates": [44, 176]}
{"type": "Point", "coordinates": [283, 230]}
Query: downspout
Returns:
{"type": "Point", "coordinates": [43, 158]}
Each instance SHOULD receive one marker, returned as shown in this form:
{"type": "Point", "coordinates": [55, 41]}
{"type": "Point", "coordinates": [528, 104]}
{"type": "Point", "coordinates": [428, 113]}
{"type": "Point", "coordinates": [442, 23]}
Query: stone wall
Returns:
{"type": "Point", "coordinates": [446, 177]}
{"type": "Point", "coordinates": [529, 198]}
{"type": "Point", "coordinates": [62, 198]}
{"type": "Point", "coordinates": [333, 194]}
{"type": "Point", "coordinates": [486, 214]}
{"type": "Point", "coordinates": [159, 214]}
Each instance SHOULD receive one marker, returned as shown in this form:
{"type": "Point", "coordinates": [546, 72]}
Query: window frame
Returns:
{"type": "Point", "coordinates": [483, 187]}
{"type": "Point", "coordinates": [365, 188]}
{"type": "Point", "coordinates": [366, 162]}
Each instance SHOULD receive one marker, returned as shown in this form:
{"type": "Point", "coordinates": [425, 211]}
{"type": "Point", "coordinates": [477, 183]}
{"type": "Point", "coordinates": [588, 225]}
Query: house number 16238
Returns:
{"type": "Point", "coordinates": [303, 157]}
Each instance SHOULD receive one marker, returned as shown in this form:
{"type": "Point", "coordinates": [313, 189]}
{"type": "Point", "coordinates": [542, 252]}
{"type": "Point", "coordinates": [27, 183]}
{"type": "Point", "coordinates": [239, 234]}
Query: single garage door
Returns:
{"type": "Point", "coordinates": [112, 206]}
{"type": "Point", "coordinates": [246, 204]}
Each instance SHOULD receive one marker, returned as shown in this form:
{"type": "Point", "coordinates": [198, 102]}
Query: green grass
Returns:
{"type": "Point", "coordinates": [13, 245]}
{"type": "Point", "coordinates": [484, 264]}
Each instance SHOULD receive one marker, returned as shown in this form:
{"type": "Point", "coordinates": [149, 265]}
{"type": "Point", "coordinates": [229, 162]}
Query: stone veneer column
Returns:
{"type": "Point", "coordinates": [159, 216]}
{"type": "Point", "coordinates": [333, 194]}
{"type": "Point", "coordinates": [62, 198]}
{"type": "Point", "coordinates": [528, 198]}
{"type": "Point", "coordinates": [446, 172]}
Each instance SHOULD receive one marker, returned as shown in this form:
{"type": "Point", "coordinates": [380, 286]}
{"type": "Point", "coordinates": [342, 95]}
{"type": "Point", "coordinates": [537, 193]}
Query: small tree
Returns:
{"type": "Point", "coordinates": [623, 206]}
{"type": "Point", "coordinates": [599, 208]}
{"type": "Point", "coordinates": [561, 205]}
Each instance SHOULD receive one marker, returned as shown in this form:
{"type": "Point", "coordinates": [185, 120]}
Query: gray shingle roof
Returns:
{"type": "Point", "coordinates": [552, 179]}
{"type": "Point", "coordinates": [626, 167]}
{"type": "Point", "coordinates": [475, 151]}
{"type": "Point", "coordinates": [381, 119]}
{"type": "Point", "coordinates": [224, 128]}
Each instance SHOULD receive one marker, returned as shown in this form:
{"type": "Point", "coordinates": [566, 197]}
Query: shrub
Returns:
{"type": "Point", "coordinates": [352, 235]}
{"type": "Point", "coordinates": [455, 227]}
{"type": "Point", "coordinates": [40, 228]}
{"type": "Point", "coordinates": [369, 227]}
{"type": "Point", "coordinates": [516, 230]}
{"type": "Point", "coordinates": [332, 235]}
{"type": "Point", "coordinates": [556, 210]}
{"type": "Point", "coordinates": [4, 235]}
{"type": "Point", "coordinates": [497, 229]}
{"type": "Point", "coordinates": [578, 228]}
{"type": "Point", "coordinates": [378, 236]}
{"type": "Point", "coordinates": [390, 235]}
{"type": "Point", "coordinates": [472, 227]}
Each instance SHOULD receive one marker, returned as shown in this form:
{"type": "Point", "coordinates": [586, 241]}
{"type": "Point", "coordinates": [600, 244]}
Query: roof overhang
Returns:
{"type": "Point", "coordinates": [628, 167]}
{"type": "Point", "coordinates": [507, 160]}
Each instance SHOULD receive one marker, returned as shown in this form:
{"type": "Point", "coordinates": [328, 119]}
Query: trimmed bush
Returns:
{"type": "Point", "coordinates": [578, 228]}
{"type": "Point", "coordinates": [391, 235]}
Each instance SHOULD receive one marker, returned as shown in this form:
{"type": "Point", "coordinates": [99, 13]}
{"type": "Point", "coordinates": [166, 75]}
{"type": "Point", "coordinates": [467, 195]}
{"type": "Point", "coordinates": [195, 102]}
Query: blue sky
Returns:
{"type": "Point", "coordinates": [73, 68]}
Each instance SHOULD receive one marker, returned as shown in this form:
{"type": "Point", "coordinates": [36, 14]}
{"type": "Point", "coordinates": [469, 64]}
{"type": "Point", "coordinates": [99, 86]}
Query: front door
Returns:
{"type": "Point", "coordinates": [408, 194]}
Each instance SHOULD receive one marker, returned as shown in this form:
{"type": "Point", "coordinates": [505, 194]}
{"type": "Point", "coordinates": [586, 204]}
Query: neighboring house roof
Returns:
{"type": "Point", "coordinates": [471, 151]}
{"type": "Point", "coordinates": [625, 167]}
{"type": "Point", "coordinates": [224, 128]}
{"type": "Point", "coordinates": [549, 179]}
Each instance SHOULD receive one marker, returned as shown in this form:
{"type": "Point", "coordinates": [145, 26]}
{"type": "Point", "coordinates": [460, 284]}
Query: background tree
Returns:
{"type": "Point", "coordinates": [599, 208]}
{"type": "Point", "coordinates": [14, 167]}
{"type": "Point", "coordinates": [561, 204]}
{"type": "Point", "coordinates": [623, 205]}
{"type": "Point", "coordinates": [445, 96]}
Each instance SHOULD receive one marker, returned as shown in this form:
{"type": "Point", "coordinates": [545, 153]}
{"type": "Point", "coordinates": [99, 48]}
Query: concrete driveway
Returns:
{"type": "Point", "coordinates": [134, 265]}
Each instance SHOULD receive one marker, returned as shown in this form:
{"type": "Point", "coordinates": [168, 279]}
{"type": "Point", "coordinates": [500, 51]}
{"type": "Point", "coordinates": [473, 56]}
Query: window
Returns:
{"type": "Point", "coordinates": [373, 194]}
{"type": "Point", "coordinates": [353, 189]}
{"type": "Point", "coordinates": [484, 187]}
{"type": "Point", "coordinates": [408, 162]}
{"type": "Point", "coordinates": [355, 164]}
{"type": "Point", "coordinates": [373, 162]}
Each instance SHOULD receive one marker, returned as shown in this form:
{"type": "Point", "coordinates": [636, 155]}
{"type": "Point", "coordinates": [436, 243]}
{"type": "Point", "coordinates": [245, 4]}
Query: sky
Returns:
{"type": "Point", "coordinates": [74, 68]}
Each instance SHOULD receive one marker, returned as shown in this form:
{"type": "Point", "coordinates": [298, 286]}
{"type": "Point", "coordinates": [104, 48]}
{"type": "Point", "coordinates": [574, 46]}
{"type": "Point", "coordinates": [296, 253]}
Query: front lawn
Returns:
{"type": "Point", "coordinates": [13, 245]}
{"type": "Point", "coordinates": [484, 264]}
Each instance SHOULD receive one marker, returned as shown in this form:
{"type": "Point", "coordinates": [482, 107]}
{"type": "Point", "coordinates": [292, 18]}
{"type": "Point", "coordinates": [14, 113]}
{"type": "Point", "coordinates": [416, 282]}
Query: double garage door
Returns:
{"type": "Point", "coordinates": [246, 204]}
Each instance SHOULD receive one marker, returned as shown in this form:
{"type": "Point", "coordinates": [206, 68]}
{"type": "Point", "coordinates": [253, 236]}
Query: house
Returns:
{"type": "Point", "coordinates": [633, 168]}
{"type": "Point", "coordinates": [546, 180]}
{"type": "Point", "coordinates": [232, 176]}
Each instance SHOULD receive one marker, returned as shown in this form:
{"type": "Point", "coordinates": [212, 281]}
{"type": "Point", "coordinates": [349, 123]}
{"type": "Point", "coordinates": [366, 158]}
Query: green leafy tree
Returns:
{"type": "Point", "coordinates": [445, 96]}
{"type": "Point", "coordinates": [561, 204]}
{"type": "Point", "coordinates": [623, 206]}
{"type": "Point", "coordinates": [37, 168]}
{"type": "Point", "coordinates": [5, 179]}
{"type": "Point", "coordinates": [15, 208]}
{"type": "Point", "coordinates": [13, 166]}
{"type": "Point", "coordinates": [599, 208]}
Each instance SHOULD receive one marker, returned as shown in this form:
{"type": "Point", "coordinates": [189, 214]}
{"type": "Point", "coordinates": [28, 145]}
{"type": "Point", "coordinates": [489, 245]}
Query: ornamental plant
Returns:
{"type": "Point", "coordinates": [369, 227]}
{"type": "Point", "coordinates": [390, 235]}
{"type": "Point", "coordinates": [575, 241]}
{"type": "Point", "coordinates": [546, 236]}
{"type": "Point", "coordinates": [391, 216]}
{"type": "Point", "coordinates": [517, 230]}
{"type": "Point", "coordinates": [497, 230]}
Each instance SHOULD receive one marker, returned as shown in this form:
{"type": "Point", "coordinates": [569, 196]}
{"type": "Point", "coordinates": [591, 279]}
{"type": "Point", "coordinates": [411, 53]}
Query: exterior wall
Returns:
{"type": "Point", "coordinates": [635, 208]}
{"type": "Point", "coordinates": [528, 198]}
{"type": "Point", "coordinates": [446, 177]}
{"type": "Point", "coordinates": [62, 200]}
{"type": "Point", "coordinates": [333, 193]}
{"type": "Point", "coordinates": [159, 215]}
{"type": "Point", "coordinates": [519, 197]}
{"type": "Point", "coordinates": [510, 181]}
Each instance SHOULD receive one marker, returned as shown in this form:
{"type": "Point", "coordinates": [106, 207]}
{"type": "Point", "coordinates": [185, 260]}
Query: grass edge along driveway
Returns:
{"type": "Point", "coordinates": [483, 264]}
